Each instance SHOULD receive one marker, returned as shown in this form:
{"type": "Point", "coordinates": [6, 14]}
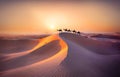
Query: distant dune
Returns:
{"type": "Point", "coordinates": [21, 37]}
{"type": "Point", "coordinates": [107, 36]}
{"type": "Point", "coordinates": [63, 55]}
{"type": "Point", "coordinates": [14, 46]}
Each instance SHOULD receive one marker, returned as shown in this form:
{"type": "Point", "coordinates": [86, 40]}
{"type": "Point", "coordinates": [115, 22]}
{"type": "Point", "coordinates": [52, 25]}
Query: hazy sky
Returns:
{"type": "Point", "coordinates": [29, 17]}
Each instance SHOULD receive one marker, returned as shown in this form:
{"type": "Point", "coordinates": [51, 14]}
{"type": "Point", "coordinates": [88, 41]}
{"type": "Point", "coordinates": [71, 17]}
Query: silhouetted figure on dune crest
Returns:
{"type": "Point", "coordinates": [74, 31]}
{"type": "Point", "coordinates": [68, 30]}
{"type": "Point", "coordinates": [60, 30]}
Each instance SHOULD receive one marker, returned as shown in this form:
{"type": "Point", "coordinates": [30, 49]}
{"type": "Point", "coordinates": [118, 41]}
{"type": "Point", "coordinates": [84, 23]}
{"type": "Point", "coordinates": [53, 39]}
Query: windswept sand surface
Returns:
{"type": "Point", "coordinates": [91, 58]}
{"type": "Point", "coordinates": [63, 55]}
{"type": "Point", "coordinates": [40, 61]}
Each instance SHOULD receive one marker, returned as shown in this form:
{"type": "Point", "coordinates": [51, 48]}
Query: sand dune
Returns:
{"type": "Point", "coordinates": [90, 58]}
{"type": "Point", "coordinates": [96, 46]}
{"type": "Point", "coordinates": [9, 46]}
{"type": "Point", "coordinates": [63, 55]}
{"type": "Point", "coordinates": [48, 53]}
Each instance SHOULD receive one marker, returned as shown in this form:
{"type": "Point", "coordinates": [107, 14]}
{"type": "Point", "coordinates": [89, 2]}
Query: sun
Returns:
{"type": "Point", "coordinates": [52, 27]}
{"type": "Point", "coordinates": [54, 21]}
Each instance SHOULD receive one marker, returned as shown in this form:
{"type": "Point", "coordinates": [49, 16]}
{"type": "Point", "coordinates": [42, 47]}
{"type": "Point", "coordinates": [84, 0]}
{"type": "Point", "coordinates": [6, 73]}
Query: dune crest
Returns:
{"type": "Point", "coordinates": [41, 42]}
{"type": "Point", "coordinates": [90, 58]}
{"type": "Point", "coordinates": [52, 50]}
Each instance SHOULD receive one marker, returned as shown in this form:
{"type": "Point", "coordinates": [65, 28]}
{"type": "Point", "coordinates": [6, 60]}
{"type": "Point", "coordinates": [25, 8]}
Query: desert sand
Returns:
{"type": "Point", "coordinates": [59, 55]}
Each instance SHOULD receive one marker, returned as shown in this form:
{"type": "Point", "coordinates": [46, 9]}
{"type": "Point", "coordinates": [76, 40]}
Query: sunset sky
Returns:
{"type": "Point", "coordinates": [40, 17]}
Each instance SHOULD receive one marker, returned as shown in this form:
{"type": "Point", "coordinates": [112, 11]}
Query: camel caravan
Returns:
{"type": "Point", "coordinates": [68, 30]}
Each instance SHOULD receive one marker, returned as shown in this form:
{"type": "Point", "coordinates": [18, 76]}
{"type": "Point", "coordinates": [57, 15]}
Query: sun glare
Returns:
{"type": "Point", "coordinates": [54, 21]}
{"type": "Point", "coordinates": [52, 27]}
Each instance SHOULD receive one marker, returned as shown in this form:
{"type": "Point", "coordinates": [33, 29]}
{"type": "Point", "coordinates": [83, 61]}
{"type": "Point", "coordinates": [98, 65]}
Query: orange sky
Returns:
{"type": "Point", "coordinates": [46, 17]}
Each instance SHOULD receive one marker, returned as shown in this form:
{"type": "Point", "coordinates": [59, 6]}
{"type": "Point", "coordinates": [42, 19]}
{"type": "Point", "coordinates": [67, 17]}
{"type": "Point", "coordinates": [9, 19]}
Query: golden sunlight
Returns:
{"type": "Point", "coordinates": [52, 27]}
{"type": "Point", "coordinates": [54, 21]}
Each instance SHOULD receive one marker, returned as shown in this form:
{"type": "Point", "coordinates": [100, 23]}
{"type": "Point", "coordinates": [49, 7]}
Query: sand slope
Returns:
{"type": "Point", "coordinates": [63, 55]}
{"type": "Point", "coordinates": [90, 58]}
{"type": "Point", "coordinates": [41, 59]}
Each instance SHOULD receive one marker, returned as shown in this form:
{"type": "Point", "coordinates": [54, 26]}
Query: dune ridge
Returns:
{"type": "Point", "coordinates": [41, 42]}
{"type": "Point", "coordinates": [52, 50]}
{"type": "Point", "coordinates": [90, 58]}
